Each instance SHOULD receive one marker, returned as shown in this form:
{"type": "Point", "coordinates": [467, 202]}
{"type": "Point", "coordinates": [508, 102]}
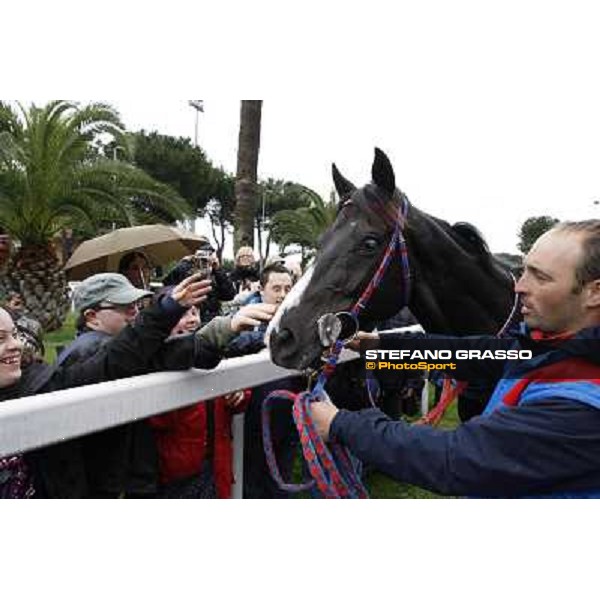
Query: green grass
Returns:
{"type": "Point", "coordinates": [60, 337]}
{"type": "Point", "coordinates": [381, 486]}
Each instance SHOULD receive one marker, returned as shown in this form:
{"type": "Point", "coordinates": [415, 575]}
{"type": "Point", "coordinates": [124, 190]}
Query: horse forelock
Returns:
{"type": "Point", "coordinates": [373, 200]}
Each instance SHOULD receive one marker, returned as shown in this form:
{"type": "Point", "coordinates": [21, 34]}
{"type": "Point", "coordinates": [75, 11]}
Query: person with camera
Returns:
{"type": "Point", "coordinates": [222, 289]}
{"type": "Point", "coordinates": [245, 274]}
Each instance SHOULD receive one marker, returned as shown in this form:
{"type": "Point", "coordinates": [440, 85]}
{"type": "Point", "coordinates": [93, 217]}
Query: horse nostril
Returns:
{"type": "Point", "coordinates": [284, 336]}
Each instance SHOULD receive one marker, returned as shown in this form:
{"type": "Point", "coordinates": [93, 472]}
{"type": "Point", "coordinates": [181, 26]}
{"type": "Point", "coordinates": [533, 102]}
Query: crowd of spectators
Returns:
{"type": "Point", "coordinates": [184, 453]}
{"type": "Point", "coordinates": [124, 328]}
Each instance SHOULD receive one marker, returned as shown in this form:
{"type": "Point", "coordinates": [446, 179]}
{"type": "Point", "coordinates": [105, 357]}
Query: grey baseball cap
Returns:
{"type": "Point", "coordinates": [106, 287]}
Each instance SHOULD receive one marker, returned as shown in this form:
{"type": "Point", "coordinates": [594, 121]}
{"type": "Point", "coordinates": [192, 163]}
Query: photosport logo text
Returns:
{"type": "Point", "coordinates": [435, 359]}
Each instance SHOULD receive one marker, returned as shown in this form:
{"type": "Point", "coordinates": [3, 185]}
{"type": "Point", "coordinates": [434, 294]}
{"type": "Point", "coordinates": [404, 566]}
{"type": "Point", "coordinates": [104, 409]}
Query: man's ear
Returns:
{"type": "Point", "coordinates": [90, 317]}
{"type": "Point", "coordinates": [593, 294]}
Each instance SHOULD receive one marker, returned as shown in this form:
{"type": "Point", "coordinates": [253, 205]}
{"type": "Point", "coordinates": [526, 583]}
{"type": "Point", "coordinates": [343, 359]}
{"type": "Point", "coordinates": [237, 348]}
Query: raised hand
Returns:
{"type": "Point", "coordinates": [192, 290]}
{"type": "Point", "coordinates": [251, 315]}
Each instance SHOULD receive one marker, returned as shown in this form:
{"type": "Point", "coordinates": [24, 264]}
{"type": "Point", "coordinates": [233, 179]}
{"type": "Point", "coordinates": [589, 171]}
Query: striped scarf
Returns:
{"type": "Point", "coordinates": [15, 478]}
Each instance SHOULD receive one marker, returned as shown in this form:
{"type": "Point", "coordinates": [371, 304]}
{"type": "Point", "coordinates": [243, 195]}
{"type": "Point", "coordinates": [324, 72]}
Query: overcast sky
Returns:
{"type": "Point", "coordinates": [489, 112]}
{"type": "Point", "coordinates": [480, 152]}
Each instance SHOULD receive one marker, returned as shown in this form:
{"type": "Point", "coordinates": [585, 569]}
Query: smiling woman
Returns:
{"type": "Point", "coordinates": [10, 351]}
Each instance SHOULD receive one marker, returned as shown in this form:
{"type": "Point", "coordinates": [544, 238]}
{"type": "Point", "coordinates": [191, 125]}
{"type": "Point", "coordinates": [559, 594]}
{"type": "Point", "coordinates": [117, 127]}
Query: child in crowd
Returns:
{"type": "Point", "coordinates": [195, 442]}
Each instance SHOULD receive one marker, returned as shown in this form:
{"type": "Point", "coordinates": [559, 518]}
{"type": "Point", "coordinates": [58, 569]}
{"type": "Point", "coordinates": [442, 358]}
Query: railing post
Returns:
{"type": "Point", "coordinates": [425, 396]}
{"type": "Point", "coordinates": [237, 429]}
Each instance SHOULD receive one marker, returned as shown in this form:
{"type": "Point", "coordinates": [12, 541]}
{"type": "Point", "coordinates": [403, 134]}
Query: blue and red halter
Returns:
{"type": "Point", "coordinates": [330, 465]}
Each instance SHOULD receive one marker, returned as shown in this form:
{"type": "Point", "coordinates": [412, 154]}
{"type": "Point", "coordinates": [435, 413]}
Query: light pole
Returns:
{"type": "Point", "coordinates": [198, 106]}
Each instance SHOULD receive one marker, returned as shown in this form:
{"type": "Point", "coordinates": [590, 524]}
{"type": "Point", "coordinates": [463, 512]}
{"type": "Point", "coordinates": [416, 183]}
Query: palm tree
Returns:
{"type": "Point", "coordinates": [245, 185]}
{"type": "Point", "coordinates": [275, 196]}
{"type": "Point", "coordinates": [305, 225]}
{"type": "Point", "coordinates": [323, 213]}
{"type": "Point", "coordinates": [52, 177]}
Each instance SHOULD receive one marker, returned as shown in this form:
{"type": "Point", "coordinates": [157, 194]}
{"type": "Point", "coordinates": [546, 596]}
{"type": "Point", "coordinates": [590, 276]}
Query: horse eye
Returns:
{"type": "Point", "coordinates": [370, 243]}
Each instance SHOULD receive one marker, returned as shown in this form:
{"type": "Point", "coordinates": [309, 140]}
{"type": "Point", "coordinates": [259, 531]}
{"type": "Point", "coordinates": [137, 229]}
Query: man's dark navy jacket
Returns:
{"type": "Point", "coordinates": [547, 445]}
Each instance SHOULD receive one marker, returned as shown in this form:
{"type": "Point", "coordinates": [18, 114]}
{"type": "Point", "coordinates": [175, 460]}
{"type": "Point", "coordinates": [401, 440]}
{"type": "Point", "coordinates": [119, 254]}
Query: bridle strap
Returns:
{"type": "Point", "coordinates": [513, 310]}
{"type": "Point", "coordinates": [396, 245]}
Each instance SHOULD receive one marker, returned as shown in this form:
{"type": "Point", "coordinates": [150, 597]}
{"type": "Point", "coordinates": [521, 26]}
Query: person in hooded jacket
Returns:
{"type": "Point", "coordinates": [539, 435]}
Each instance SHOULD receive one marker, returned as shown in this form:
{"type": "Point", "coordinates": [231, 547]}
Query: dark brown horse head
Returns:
{"type": "Point", "coordinates": [456, 286]}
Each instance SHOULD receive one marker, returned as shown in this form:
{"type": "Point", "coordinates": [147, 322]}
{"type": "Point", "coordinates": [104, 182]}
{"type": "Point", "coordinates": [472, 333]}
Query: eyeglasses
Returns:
{"type": "Point", "coordinates": [122, 308]}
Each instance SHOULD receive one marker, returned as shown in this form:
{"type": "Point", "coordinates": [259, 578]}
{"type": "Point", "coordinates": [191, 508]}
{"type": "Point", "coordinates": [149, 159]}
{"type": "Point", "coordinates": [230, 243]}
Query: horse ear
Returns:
{"type": "Point", "coordinates": [343, 187]}
{"type": "Point", "coordinates": [383, 173]}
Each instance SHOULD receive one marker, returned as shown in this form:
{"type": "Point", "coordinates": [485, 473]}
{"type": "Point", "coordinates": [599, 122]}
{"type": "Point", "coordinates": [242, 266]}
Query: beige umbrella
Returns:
{"type": "Point", "coordinates": [161, 243]}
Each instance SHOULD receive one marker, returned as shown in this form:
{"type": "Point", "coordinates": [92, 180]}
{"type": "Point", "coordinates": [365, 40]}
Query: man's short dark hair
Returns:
{"type": "Point", "coordinates": [80, 323]}
{"type": "Point", "coordinates": [589, 267]}
{"type": "Point", "coordinates": [128, 258]}
{"type": "Point", "coordinates": [274, 268]}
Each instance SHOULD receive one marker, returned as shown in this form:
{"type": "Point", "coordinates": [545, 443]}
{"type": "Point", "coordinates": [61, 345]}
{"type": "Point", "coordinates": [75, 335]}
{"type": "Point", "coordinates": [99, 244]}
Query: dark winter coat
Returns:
{"type": "Point", "coordinates": [544, 442]}
{"type": "Point", "coordinates": [241, 277]}
{"type": "Point", "coordinates": [122, 460]}
{"type": "Point", "coordinates": [59, 470]}
{"type": "Point", "coordinates": [223, 289]}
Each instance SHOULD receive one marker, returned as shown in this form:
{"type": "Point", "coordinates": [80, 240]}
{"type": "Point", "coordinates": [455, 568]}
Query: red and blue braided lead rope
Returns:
{"type": "Point", "coordinates": [329, 465]}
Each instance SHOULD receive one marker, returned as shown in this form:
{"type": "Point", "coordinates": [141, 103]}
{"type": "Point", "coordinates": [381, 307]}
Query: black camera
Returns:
{"type": "Point", "coordinates": [201, 263]}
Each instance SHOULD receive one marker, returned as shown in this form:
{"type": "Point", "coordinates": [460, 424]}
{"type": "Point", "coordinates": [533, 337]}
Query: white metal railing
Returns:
{"type": "Point", "coordinates": [36, 421]}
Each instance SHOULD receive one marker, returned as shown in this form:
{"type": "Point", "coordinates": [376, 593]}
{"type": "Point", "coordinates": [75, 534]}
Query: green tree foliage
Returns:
{"type": "Point", "coordinates": [305, 225]}
{"type": "Point", "coordinates": [50, 176]}
{"type": "Point", "coordinates": [276, 196]}
{"type": "Point", "coordinates": [532, 229]}
{"type": "Point", "coordinates": [220, 207]}
{"type": "Point", "coordinates": [179, 164]}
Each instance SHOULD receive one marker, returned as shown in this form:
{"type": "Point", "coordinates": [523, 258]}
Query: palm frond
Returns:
{"type": "Point", "coordinates": [49, 176]}
{"type": "Point", "coordinates": [9, 120]}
